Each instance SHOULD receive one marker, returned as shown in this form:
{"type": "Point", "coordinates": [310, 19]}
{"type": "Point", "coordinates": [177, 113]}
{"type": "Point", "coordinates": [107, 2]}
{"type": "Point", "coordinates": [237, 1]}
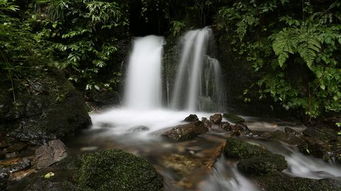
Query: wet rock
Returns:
{"type": "Point", "coordinates": [216, 118]}
{"type": "Point", "coordinates": [291, 131]}
{"type": "Point", "coordinates": [191, 118]}
{"type": "Point", "coordinates": [47, 155]}
{"type": "Point", "coordinates": [19, 166]}
{"type": "Point", "coordinates": [282, 182]}
{"type": "Point", "coordinates": [207, 123]}
{"type": "Point", "coordinates": [118, 170]}
{"type": "Point", "coordinates": [226, 126]}
{"type": "Point", "coordinates": [314, 147]}
{"type": "Point", "coordinates": [264, 164]}
{"type": "Point", "coordinates": [233, 118]}
{"type": "Point", "coordinates": [186, 132]}
{"type": "Point", "coordinates": [238, 149]}
{"type": "Point", "coordinates": [17, 176]}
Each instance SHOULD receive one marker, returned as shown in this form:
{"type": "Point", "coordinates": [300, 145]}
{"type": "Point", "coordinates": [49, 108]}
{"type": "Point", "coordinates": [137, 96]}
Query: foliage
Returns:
{"type": "Point", "coordinates": [85, 38]}
{"type": "Point", "coordinates": [294, 49]}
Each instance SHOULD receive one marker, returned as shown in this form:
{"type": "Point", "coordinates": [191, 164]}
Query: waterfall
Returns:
{"type": "Point", "coordinates": [198, 79]}
{"type": "Point", "coordinates": [143, 81]}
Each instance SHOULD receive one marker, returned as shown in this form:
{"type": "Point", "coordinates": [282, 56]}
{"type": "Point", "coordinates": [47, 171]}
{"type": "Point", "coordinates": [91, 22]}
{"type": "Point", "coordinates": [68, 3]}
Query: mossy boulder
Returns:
{"type": "Point", "coordinates": [254, 160]}
{"type": "Point", "coordinates": [115, 170]}
{"type": "Point", "coordinates": [238, 149]}
{"type": "Point", "coordinates": [264, 164]}
{"type": "Point", "coordinates": [43, 107]}
{"type": "Point", "coordinates": [282, 182]}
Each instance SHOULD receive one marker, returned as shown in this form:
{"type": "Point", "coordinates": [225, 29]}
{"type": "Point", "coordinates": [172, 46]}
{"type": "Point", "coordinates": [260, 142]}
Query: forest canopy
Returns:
{"type": "Point", "coordinates": [292, 47]}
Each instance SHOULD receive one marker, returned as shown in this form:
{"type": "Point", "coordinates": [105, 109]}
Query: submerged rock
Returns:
{"type": "Point", "coordinates": [216, 118]}
{"type": "Point", "coordinates": [115, 170]}
{"type": "Point", "coordinates": [47, 155]}
{"type": "Point", "coordinates": [186, 132]}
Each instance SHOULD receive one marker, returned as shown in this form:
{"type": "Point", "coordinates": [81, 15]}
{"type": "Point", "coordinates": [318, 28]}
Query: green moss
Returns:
{"type": "Point", "coordinates": [238, 149]}
{"type": "Point", "coordinates": [115, 170]}
{"type": "Point", "coordinates": [262, 164]}
{"type": "Point", "coordinates": [281, 182]}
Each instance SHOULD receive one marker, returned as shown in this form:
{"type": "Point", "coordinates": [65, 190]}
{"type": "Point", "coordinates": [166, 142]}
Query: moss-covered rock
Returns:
{"type": "Point", "coordinates": [115, 170]}
{"type": "Point", "coordinates": [43, 107]}
{"type": "Point", "coordinates": [238, 149]}
{"type": "Point", "coordinates": [281, 182]}
{"type": "Point", "coordinates": [264, 164]}
{"type": "Point", "coordinates": [254, 160]}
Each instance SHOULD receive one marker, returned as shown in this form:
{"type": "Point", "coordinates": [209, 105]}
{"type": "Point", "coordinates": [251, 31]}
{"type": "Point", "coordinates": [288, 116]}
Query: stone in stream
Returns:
{"type": "Point", "coordinates": [254, 160]}
{"type": "Point", "coordinates": [186, 132]}
{"type": "Point", "coordinates": [191, 118]}
{"type": "Point", "coordinates": [216, 118]}
{"type": "Point", "coordinates": [47, 155]}
{"type": "Point", "coordinates": [208, 124]}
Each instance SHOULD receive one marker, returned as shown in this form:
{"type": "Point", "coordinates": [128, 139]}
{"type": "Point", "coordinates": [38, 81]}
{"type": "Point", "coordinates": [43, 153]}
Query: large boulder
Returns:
{"type": "Point", "coordinates": [115, 170]}
{"type": "Point", "coordinates": [186, 132]}
{"type": "Point", "coordinates": [216, 118]}
{"type": "Point", "coordinates": [254, 160]}
{"type": "Point", "coordinates": [43, 107]}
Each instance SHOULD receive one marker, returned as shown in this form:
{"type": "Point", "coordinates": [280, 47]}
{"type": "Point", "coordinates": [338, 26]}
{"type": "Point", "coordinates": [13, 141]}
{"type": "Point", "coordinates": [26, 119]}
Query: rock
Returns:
{"type": "Point", "coordinates": [47, 107]}
{"type": "Point", "coordinates": [207, 123]}
{"type": "Point", "coordinates": [238, 149]}
{"type": "Point", "coordinates": [216, 118]}
{"type": "Point", "coordinates": [226, 126]}
{"type": "Point", "coordinates": [22, 164]}
{"type": "Point", "coordinates": [263, 164]}
{"type": "Point", "coordinates": [186, 132]}
{"type": "Point", "coordinates": [4, 175]}
{"type": "Point", "coordinates": [17, 176]}
{"type": "Point", "coordinates": [117, 170]}
{"type": "Point", "coordinates": [47, 155]}
{"type": "Point", "coordinates": [17, 147]}
{"type": "Point", "coordinates": [282, 182]}
{"type": "Point", "coordinates": [191, 118]}
{"type": "Point", "coordinates": [233, 118]}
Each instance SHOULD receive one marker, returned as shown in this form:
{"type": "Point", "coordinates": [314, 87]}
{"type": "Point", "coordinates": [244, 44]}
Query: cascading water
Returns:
{"type": "Point", "coordinates": [195, 82]}
{"type": "Point", "coordinates": [143, 87]}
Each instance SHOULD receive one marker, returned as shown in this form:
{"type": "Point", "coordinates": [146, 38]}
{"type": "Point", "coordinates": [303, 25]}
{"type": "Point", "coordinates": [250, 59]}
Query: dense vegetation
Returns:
{"type": "Point", "coordinates": [293, 47]}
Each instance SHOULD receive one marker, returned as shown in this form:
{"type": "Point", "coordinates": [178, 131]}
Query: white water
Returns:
{"type": "Point", "coordinates": [143, 86]}
{"type": "Point", "coordinates": [308, 167]}
{"type": "Point", "coordinates": [226, 177]}
{"type": "Point", "coordinates": [193, 86]}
